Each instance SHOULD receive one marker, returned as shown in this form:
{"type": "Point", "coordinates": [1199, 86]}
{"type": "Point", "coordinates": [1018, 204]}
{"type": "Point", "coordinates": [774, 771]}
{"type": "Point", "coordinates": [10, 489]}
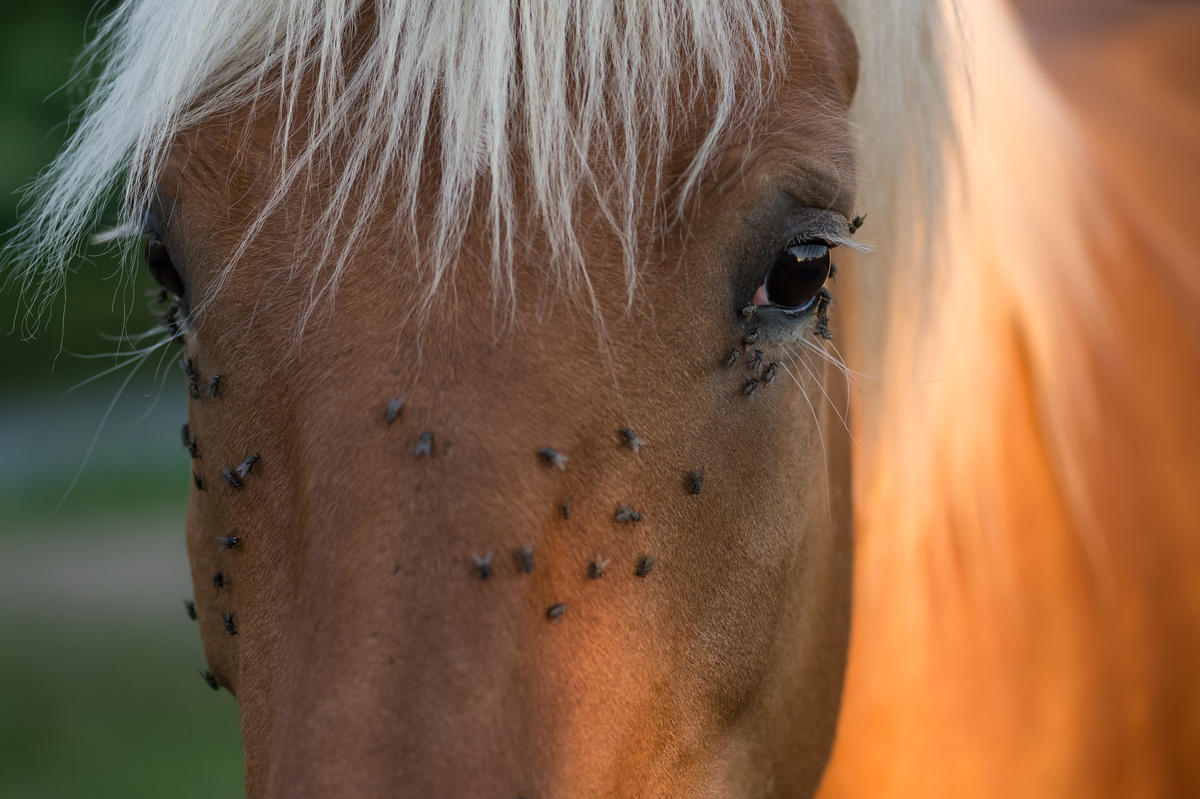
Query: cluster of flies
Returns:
{"type": "Point", "coordinates": [763, 372]}
{"type": "Point", "coordinates": [234, 477]}
{"type": "Point", "coordinates": [484, 566]}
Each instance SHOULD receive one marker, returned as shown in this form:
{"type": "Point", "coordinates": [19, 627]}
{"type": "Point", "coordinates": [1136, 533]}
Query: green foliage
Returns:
{"type": "Point", "coordinates": [39, 47]}
{"type": "Point", "coordinates": [104, 710]}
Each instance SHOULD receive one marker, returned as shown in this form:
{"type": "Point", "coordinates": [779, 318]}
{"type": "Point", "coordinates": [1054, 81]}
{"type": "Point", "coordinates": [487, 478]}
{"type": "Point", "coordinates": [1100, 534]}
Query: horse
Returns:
{"type": "Point", "coordinates": [526, 460]}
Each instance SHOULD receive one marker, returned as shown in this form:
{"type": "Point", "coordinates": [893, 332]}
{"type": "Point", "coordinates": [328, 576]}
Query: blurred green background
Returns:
{"type": "Point", "coordinates": [99, 691]}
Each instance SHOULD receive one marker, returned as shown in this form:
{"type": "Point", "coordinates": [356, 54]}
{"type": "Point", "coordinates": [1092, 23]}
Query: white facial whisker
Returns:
{"type": "Point", "coordinates": [811, 373]}
{"type": "Point", "coordinates": [821, 435]}
{"type": "Point", "coordinates": [135, 357]}
{"type": "Point", "coordinates": [136, 362]}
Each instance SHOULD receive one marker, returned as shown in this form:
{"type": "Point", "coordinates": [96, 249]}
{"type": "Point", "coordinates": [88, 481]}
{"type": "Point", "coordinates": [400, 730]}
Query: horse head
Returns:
{"type": "Point", "coordinates": [579, 529]}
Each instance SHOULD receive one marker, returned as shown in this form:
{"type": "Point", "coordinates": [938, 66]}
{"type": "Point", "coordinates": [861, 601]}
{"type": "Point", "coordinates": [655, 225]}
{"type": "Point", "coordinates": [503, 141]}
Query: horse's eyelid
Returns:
{"type": "Point", "coordinates": [149, 222]}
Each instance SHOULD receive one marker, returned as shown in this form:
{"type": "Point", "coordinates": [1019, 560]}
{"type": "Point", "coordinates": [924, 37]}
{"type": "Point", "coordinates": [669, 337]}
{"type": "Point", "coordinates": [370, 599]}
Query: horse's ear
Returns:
{"type": "Point", "coordinates": [841, 44]}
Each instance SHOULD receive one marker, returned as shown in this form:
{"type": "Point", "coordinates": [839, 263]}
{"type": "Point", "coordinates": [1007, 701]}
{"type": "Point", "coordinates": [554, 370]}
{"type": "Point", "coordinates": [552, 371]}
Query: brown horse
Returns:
{"type": "Point", "coordinates": [519, 428]}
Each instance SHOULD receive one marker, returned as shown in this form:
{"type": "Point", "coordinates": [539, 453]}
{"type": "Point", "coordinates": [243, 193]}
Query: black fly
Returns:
{"type": "Point", "coordinates": [824, 299]}
{"type": "Point", "coordinates": [395, 404]}
{"type": "Point", "coordinates": [192, 378]}
{"type": "Point", "coordinates": [483, 565]}
{"type": "Point", "coordinates": [229, 625]}
{"type": "Point", "coordinates": [554, 458]}
{"type": "Point", "coordinates": [556, 611]}
{"type": "Point", "coordinates": [232, 541]}
{"type": "Point", "coordinates": [245, 466]}
{"type": "Point", "coordinates": [524, 557]}
{"type": "Point", "coordinates": [756, 364]}
{"type": "Point", "coordinates": [631, 438]}
{"type": "Point", "coordinates": [230, 478]}
{"type": "Point", "coordinates": [627, 515]}
{"type": "Point", "coordinates": [190, 607]}
{"type": "Point", "coordinates": [645, 564]}
{"type": "Point", "coordinates": [189, 441]}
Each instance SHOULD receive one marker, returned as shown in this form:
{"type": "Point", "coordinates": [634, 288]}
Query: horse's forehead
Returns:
{"type": "Point", "coordinates": [232, 164]}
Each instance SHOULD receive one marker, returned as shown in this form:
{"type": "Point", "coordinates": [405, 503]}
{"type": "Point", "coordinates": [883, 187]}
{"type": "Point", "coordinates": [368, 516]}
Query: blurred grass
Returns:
{"type": "Point", "coordinates": [98, 711]}
{"type": "Point", "coordinates": [93, 703]}
{"type": "Point", "coordinates": [137, 467]}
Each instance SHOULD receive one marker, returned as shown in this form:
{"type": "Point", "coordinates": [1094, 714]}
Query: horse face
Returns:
{"type": "Point", "coordinates": [570, 562]}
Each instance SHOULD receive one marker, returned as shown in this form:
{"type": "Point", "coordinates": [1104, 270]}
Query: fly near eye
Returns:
{"type": "Point", "coordinates": [796, 275]}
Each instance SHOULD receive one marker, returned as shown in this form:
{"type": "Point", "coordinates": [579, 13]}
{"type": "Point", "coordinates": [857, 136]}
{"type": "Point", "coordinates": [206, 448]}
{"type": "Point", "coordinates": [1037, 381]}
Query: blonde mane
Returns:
{"type": "Point", "coordinates": [584, 93]}
{"type": "Point", "coordinates": [1025, 504]}
{"type": "Point", "coordinates": [580, 90]}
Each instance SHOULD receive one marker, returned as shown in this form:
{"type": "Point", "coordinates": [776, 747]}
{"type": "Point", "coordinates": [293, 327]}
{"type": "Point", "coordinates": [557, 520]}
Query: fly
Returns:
{"type": "Point", "coordinates": [631, 438]}
{"type": "Point", "coordinates": [483, 565]}
{"type": "Point", "coordinates": [245, 466]}
{"type": "Point", "coordinates": [524, 557]}
{"type": "Point", "coordinates": [627, 515]}
{"type": "Point", "coordinates": [230, 478]}
{"type": "Point", "coordinates": [395, 405]}
{"type": "Point", "coordinates": [554, 458]}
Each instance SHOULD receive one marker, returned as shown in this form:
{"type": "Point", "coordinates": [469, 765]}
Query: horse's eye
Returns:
{"type": "Point", "coordinates": [796, 275]}
{"type": "Point", "coordinates": [158, 260]}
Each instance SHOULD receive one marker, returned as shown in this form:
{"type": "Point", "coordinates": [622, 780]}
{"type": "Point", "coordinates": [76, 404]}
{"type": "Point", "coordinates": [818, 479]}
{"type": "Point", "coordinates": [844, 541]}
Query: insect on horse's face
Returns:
{"type": "Point", "coordinates": [525, 563]}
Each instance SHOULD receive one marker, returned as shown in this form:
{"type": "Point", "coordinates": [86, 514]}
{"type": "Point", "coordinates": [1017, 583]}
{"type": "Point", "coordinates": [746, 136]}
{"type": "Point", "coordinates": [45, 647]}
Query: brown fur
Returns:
{"type": "Point", "coordinates": [371, 659]}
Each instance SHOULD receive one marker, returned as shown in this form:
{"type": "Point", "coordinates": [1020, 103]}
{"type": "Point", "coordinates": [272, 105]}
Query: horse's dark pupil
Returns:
{"type": "Point", "coordinates": [797, 275]}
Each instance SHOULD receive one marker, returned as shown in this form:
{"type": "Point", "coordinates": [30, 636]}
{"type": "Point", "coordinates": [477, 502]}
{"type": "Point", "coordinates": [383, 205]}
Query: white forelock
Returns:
{"type": "Point", "coordinates": [580, 88]}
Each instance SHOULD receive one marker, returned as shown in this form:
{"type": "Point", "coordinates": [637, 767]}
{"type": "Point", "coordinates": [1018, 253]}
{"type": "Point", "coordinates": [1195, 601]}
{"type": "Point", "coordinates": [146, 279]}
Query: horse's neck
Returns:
{"type": "Point", "coordinates": [1026, 609]}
